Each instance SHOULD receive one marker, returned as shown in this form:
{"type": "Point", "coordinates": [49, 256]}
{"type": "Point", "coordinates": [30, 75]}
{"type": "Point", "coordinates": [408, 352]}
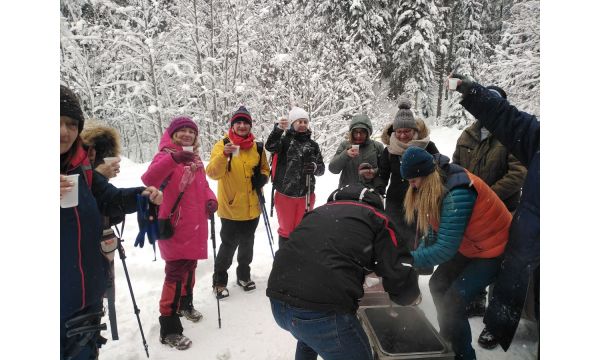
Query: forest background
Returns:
{"type": "Point", "coordinates": [137, 63]}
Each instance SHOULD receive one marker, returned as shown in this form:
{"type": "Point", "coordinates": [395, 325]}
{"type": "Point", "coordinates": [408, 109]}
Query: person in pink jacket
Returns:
{"type": "Point", "coordinates": [180, 170]}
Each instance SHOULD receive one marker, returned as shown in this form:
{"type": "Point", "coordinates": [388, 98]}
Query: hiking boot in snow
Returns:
{"type": "Point", "coordinates": [487, 340]}
{"type": "Point", "coordinates": [477, 306]}
{"type": "Point", "coordinates": [221, 292]}
{"type": "Point", "coordinates": [178, 341]}
{"type": "Point", "coordinates": [191, 314]}
{"type": "Point", "coordinates": [247, 285]}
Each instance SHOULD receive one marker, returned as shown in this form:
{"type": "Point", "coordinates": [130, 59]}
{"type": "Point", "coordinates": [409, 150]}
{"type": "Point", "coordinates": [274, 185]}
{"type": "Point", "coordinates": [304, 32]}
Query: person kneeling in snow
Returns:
{"type": "Point", "coordinates": [317, 275]}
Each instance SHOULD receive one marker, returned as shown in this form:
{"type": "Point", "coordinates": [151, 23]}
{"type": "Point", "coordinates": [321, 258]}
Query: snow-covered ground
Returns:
{"type": "Point", "coordinates": [248, 328]}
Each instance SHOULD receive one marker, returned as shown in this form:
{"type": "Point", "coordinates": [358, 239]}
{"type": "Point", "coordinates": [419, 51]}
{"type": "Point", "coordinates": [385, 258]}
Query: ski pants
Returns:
{"type": "Point", "coordinates": [290, 211]}
{"type": "Point", "coordinates": [235, 235]}
{"type": "Point", "coordinates": [453, 285]}
{"type": "Point", "coordinates": [180, 277]}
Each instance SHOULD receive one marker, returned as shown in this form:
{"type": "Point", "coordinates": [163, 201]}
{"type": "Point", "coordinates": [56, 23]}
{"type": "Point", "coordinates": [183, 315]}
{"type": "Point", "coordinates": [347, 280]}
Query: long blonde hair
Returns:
{"type": "Point", "coordinates": [423, 205]}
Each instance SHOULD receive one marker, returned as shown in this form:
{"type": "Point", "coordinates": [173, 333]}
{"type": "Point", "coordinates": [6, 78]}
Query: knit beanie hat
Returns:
{"type": "Point", "coordinates": [69, 106]}
{"type": "Point", "coordinates": [297, 113]}
{"type": "Point", "coordinates": [497, 91]}
{"type": "Point", "coordinates": [404, 117]}
{"type": "Point", "coordinates": [241, 115]}
{"type": "Point", "coordinates": [361, 122]}
{"type": "Point", "coordinates": [181, 122]}
{"type": "Point", "coordinates": [416, 162]}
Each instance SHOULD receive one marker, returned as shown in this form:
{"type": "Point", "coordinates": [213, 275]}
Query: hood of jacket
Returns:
{"type": "Point", "coordinates": [104, 139]}
{"type": "Point", "coordinates": [356, 192]}
{"type": "Point", "coordinates": [388, 130]}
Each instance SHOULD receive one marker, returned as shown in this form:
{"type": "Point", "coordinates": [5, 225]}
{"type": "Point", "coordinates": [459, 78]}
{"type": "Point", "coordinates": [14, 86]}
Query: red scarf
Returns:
{"type": "Point", "coordinates": [244, 143]}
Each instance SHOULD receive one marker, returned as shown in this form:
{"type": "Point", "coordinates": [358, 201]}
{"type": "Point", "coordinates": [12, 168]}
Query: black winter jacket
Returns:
{"type": "Point", "coordinates": [293, 150]}
{"type": "Point", "coordinates": [520, 133]}
{"type": "Point", "coordinates": [323, 265]}
{"type": "Point", "coordinates": [83, 268]}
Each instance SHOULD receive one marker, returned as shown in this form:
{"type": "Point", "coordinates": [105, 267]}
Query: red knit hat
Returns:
{"type": "Point", "coordinates": [241, 115]}
{"type": "Point", "coordinates": [181, 122]}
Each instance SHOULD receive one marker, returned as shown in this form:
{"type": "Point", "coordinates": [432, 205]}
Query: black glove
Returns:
{"type": "Point", "coordinates": [258, 180]}
{"type": "Point", "coordinates": [309, 168]}
{"type": "Point", "coordinates": [465, 84]}
{"type": "Point", "coordinates": [183, 157]}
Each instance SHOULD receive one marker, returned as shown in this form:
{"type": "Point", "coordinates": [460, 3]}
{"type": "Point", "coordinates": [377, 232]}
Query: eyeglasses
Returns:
{"type": "Point", "coordinates": [404, 131]}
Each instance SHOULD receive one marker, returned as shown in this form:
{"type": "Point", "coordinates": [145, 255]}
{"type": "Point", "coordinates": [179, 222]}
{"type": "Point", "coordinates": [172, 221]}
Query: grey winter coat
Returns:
{"type": "Point", "coordinates": [369, 152]}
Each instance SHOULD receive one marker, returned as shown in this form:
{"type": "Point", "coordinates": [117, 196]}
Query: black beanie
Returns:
{"type": "Point", "coordinates": [241, 115]}
{"type": "Point", "coordinates": [69, 106]}
{"type": "Point", "coordinates": [416, 162]}
{"type": "Point", "coordinates": [498, 90]}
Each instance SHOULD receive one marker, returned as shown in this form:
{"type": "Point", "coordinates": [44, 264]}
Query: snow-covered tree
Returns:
{"type": "Point", "coordinates": [515, 67]}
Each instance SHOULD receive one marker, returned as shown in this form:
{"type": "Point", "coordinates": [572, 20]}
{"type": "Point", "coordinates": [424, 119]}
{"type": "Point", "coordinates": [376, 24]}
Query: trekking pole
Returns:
{"type": "Point", "coordinates": [136, 310]}
{"type": "Point", "coordinates": [307, 196]}
{"type": "Point", "coordinates": [261, 200]}
{"type": "Point", "coordinates": [214, 243]}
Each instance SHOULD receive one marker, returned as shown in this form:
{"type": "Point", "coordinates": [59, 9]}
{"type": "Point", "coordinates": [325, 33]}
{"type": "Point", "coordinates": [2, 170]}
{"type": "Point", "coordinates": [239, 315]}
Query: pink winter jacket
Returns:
{"type": "Point", "coordinates": [190, 241]}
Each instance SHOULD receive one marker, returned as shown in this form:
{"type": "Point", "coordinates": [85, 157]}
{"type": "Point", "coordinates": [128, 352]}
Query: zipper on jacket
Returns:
{"type": "Point", "coordinates": [79, 258]}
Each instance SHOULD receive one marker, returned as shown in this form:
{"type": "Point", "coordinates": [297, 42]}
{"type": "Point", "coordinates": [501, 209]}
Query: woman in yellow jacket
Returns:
{"type": "Point", "coordinates": [241, 171]}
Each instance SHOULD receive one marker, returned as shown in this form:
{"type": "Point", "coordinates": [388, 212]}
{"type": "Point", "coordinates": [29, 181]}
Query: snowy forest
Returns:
{"type": "Point", "coordinates": [137, 63]}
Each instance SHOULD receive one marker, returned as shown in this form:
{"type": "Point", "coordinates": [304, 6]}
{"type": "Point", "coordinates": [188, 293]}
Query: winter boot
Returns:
{"type": "Point", "coordinates": [247, 285]}
{"type": "Point", "coordinates": [477, 306]}
{"type": "Point", "coordinates": [186, 309]}
{"type": "Point", "coordinates": [171, 332]}
{"type": "Point", "coordinates": [178, 341]}
{"type": "Point", "coordinates": [487, 340]}
{"type": "Point", "coordinates": [221, 292]}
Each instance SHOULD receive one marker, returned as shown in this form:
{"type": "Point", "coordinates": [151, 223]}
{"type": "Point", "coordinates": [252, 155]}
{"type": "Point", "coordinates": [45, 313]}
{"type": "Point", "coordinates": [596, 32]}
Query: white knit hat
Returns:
{"type": "Point", "coordinates": [297, 113]}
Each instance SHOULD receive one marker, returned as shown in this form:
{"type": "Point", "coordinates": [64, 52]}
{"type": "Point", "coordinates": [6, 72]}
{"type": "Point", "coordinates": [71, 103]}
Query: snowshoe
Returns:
{"type": "Point", "coordinates": [221, 292]}
{"type": "Point", "coordinates": [487, 340]}
{"type": "Point", "coordinates": [247, 285]}
{"type": "Point", "coordinates": [178, 341]}
{"type": "Point", "coordinates": [191, 314]}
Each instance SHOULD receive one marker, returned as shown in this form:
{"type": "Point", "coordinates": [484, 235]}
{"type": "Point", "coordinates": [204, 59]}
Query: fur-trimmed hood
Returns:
{"type": "Point", "coordinates": [388, 130]}
{"type": "Point", "coordinates": [104, 139]}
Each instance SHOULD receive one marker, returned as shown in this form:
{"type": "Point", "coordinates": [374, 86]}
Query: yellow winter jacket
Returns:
{"type": "Point", "coordinates": [237, 200]}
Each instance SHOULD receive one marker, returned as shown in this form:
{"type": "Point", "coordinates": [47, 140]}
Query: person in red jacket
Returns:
{"type": "Point", "coordinates": [181, 173]}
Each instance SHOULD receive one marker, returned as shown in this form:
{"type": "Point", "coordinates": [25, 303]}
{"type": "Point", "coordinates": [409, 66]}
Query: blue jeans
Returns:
{"type": "Point", "coordinates": [453, 285]}
{"type": "Point", "coordinates": [331, 335]}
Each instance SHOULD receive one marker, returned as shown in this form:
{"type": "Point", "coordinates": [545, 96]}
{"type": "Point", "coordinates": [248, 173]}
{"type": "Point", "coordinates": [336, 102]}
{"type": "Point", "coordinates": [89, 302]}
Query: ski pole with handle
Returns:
{"type": "Point", "coordinates": [263, 208]}
{"type": "Point", "coordinates": [136, 310]}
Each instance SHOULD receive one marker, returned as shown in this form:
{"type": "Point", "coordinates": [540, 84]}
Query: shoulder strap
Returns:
{"type": "Point", "coordinates": [259, 147]}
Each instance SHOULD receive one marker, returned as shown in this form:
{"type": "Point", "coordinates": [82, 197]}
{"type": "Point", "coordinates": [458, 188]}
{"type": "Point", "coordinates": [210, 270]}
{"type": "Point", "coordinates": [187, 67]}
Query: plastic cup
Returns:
{"type": "Point", "coordinates": [188, 148]}
{"type": "Point", "coordinates": [110, 160]}
{"type": "Point", "coordinates": [71, 198]}
{"type": "Point", "coordinates": [236, 152]}
{"type": "Point", "coordinates": [452, 83]}
{"type": "Point", "coordinates": [355, 147]}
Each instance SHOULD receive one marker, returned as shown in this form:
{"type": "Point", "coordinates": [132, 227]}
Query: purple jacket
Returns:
{"type": "Point", "coordinates": [190, 241]}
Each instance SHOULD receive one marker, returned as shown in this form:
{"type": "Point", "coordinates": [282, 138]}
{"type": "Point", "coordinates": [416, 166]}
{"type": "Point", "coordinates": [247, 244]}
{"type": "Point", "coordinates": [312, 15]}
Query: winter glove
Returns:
{"type": "Point", "coordinates": [464, 85]}
{"type": "Point", "coordinates": [183, 157]}
{"type": "Point", "coordinates": [258, 180]}
{"type": "Point", "coordinates": [309, 168]}
{"type": "Point", "coordinates": [211, 206]}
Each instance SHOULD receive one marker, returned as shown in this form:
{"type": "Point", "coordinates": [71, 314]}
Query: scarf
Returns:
{"type": "Point", "coordinates": [244, 143]}
{"type": "Point", "coordinates": [397, 147]}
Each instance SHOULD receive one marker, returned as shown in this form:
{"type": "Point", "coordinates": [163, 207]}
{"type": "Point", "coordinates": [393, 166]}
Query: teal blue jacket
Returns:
{"type": "Point", "coordinates": [457, 207]}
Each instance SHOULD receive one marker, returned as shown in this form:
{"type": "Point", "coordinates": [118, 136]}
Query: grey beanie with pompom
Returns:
{"type": "Point", "coordinates": [404, 119]}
